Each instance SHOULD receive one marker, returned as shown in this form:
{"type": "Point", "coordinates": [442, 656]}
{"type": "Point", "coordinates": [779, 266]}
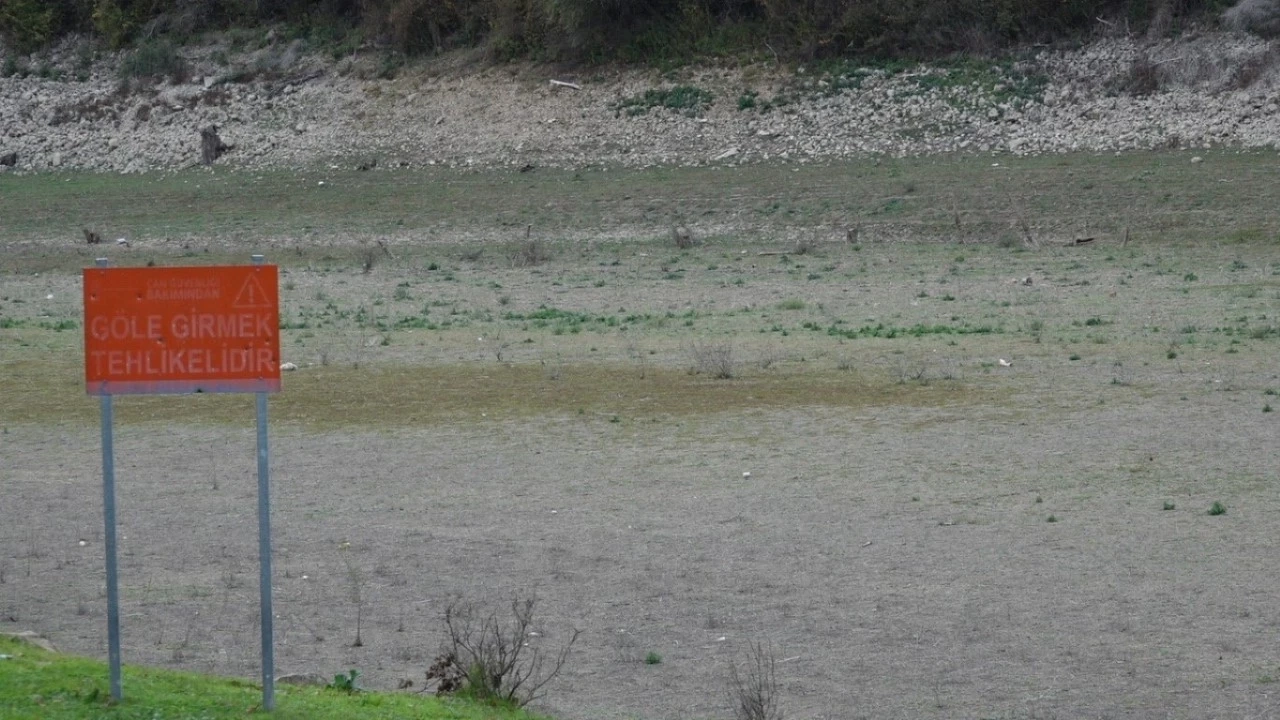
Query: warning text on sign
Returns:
{"type": "Point", "coordinates": [182, 330]}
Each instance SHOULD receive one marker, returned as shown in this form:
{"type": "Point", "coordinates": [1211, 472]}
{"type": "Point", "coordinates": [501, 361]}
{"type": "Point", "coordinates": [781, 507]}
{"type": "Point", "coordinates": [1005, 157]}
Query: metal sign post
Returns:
{"type": "Point", "coordinates": [109, 535]}
{"type": "Point", "coordinates": [183, 330]}
{"type": "Point", "coordinates": [264, 550]}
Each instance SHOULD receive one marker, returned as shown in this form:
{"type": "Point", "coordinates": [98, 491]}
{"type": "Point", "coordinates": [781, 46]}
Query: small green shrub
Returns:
{"type": "Point", "coordinates": [345, 682]}
{"type": "Point", "coordinates": [1169, 506]}
{"type": "Point", "coordinates": [1217, 508]}
{"type": "Point", "coordinates": [154, 59]}
{"type": "Point", "coordinates": [686, 99]}
{"type": "Point", "coordinates": [652, 658]}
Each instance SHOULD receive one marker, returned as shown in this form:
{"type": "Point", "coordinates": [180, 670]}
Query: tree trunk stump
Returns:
{"type": "Point", "coordinates": [211, 146]}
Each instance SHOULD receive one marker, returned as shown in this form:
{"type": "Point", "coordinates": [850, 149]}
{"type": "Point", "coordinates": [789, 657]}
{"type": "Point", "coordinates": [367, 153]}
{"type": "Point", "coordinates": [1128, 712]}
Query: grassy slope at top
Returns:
{"type": "Point", "coordinates": [1159, 193]}
{"type": "Point", "coordinates": [38, 685]}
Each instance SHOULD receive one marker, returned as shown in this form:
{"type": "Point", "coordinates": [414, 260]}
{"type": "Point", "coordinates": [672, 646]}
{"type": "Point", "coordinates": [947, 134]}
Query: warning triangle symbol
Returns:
{"type": "Point", "coordinates": [251, 294]}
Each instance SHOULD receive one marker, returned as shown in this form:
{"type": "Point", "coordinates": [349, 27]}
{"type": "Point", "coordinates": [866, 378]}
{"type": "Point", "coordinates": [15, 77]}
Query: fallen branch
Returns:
{"type": "Point", "coordinates": [562, 83]}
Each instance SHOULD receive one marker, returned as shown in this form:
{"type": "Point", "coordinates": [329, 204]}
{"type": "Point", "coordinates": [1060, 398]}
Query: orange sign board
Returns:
{"type": "Point", "coordinates": [182, 329]}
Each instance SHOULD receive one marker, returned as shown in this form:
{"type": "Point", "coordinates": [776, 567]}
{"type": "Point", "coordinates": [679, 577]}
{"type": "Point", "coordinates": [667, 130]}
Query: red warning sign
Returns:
{"type": "Point", "coordinates": [182, 330]}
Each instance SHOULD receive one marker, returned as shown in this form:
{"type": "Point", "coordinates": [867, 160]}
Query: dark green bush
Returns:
{"type": "Point", "coordinates": [649, 31]}
{"type": "Point", "coordinates": [154, 59]}
{"type": "Point", "coordinates": [27, 24]}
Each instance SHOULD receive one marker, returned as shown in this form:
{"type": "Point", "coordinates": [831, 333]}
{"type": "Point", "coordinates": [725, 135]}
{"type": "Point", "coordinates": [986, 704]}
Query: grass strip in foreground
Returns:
{"type": "Point", "coordinates": [39, 685]}
{"type": "Point", "coordinates": [414, 396]}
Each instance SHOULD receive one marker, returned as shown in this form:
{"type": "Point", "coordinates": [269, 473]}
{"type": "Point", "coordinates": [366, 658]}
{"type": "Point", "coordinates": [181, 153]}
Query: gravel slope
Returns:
{"type": "Point", "coordinates": [1209, 90]}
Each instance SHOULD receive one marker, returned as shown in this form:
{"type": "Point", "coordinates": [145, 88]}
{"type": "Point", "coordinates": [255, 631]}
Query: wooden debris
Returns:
{"type": "Point", "coordinates": [211, 146]}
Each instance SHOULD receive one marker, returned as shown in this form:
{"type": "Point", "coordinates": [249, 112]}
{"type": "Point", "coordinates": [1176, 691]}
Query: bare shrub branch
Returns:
{"type": "Point", "coordinates": [714, 359]}
{"type": "Point", "coordinates": [682, 237]}
{"type": "Point", "coordinates": [496, 659]}
{"type": "Point", "coordinates": [753, 690]}
{"type": "Point", "coordinates": [529, 253]}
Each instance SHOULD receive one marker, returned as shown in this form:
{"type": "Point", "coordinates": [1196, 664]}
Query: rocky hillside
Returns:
{"type": "Point", "coordinates": [279, 106]}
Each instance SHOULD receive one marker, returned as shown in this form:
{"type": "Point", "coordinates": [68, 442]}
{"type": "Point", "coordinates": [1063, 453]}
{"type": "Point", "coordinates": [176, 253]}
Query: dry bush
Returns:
{"type": "Point", "coordinates": [1260, 17]}
{"type": "Point", "coordinates": [753, 690]}
{"type": "Point", "coordinates": [491, 658]}
{"type": "Point", "coordinates": [769, 357]}
{"type": "Point", "coordinates": [805, 244]}
{"type": "Point", "coordinates": [529, 253]}
{"type": "Point", "coordinates": [682, 237]}
{"type": "Point", "coordinates": [714, 359]}
{"type": "Point", "coordinates": [904, 371]}
{"type": "Point", "coordinates": [1143, 77]}
{"type": "Point", "coordinates": [1249, 72]}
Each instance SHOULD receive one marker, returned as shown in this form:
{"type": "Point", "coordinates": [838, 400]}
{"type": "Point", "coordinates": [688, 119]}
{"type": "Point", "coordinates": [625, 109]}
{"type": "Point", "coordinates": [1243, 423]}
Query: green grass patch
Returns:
{"type": "Point", "coordinates": [880, 330]}
{"type": "Point", "coordinates": [684, 99]}
{"type": "Point", "coordinates": [38, 685]}
{"type": "Point", "coordinates": [398, 396]}
{"type": "Point", "coordinates": [186, 208]}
